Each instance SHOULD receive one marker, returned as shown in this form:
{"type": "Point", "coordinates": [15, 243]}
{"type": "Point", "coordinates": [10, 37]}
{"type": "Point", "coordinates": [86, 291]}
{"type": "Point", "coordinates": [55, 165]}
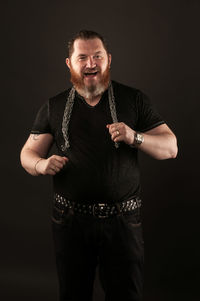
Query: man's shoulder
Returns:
{"type": "Point", "coordinates": [57, 103]}
{"type": "Point", "coordinates": [125, 94]}
{"type": "Point", "coordinates": [62, 96]}
{"type": "Point", "coordinates": [120, 88]}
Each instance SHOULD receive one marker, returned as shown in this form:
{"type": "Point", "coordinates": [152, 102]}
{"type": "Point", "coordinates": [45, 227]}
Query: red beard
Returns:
{"type": "Point", "coordinates": [78, 82]}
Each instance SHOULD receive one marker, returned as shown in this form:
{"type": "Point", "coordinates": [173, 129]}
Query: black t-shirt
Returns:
{"type": "Point", "coordinates": [97, 171]}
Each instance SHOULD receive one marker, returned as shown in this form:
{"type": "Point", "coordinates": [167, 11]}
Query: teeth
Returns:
{"type": "Point", "coordinates": [90, 73]}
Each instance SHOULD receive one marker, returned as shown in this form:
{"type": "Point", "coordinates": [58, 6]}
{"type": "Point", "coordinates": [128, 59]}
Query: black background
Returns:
{"type": "Point", "coordinates": [155, 47]}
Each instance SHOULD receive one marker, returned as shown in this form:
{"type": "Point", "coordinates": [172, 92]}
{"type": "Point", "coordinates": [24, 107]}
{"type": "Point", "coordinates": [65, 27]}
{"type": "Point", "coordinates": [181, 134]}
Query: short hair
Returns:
{"type": "Point", "coordinates": [86, 35]}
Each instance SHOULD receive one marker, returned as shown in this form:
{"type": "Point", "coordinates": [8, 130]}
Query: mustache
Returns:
{"type": "Point", "coordinates": [78, 79]}
{"type": "Point", "coordinates": [91, 70]}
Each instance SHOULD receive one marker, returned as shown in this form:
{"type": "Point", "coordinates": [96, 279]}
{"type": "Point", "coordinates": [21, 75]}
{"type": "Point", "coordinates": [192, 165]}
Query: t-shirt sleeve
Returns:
{"type": "Point", "coordinates": [148, 117]}
{"type": "Point", "coordinates": [41, 123]}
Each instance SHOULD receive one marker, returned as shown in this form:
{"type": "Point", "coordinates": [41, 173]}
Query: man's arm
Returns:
{"type": "Point", "coordinates": [160, 142]}
{"type": "Point", "coordinates": [33, 156]}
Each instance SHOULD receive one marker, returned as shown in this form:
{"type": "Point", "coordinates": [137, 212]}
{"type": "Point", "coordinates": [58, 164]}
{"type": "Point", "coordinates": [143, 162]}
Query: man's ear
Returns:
{"type": "Point", "coordinates": [67, 61]}
{"type": "Point", "coordinates": [109, 59]}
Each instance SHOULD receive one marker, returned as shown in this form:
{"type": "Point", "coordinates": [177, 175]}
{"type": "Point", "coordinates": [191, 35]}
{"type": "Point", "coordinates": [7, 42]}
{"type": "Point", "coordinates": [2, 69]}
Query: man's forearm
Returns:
{"type": "Point", "coordinates": [29, 159]}
{"type": "Point", "coordinates": [160, 142]}
{"type": "Point", "coordinates": [161, 146]}
{"type": "Point", "coordinates": [36, 165]}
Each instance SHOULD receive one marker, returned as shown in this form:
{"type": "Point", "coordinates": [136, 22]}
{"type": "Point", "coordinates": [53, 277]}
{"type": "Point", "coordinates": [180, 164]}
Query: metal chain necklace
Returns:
{"type": "Point", "coordinates": [68, 112]}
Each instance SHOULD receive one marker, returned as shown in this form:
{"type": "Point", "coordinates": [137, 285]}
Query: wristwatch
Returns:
{"type": "Point", "coordinates": [138, 139]}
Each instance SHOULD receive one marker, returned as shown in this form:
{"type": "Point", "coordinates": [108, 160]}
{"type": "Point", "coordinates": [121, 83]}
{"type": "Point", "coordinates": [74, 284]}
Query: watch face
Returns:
{"type": "Point", "coordinates": [139, 138]}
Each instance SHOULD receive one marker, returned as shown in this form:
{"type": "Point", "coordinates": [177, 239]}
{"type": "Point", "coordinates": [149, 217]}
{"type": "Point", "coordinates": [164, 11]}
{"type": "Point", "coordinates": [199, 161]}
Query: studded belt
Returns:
{"type": "Point", "coordinates": [100, 210]}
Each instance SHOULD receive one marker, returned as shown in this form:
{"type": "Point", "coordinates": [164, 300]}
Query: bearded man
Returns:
{"type": "Point", "coordinates": [98, 126]}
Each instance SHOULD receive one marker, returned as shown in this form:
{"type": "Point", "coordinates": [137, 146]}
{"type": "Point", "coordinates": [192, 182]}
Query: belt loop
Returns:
{"type": "Point", "coordinates": [71, 208]}
{"type": "Point", "coordinates": [138, 209]}
{"type": "Point", "coordinates": [118, 208]}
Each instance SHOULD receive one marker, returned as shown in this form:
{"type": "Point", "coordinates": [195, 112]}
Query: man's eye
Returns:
{"type": "Point", "coordinates": [81, 58]}
{"type": "Point", "coordinates": [98, 56]}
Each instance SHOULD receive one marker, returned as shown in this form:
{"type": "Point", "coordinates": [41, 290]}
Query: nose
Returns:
{"type": "Point", "coordinates": [91, 63]}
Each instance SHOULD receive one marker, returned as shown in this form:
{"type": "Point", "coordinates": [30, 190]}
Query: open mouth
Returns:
{"type": "Point", "coordinates": [90, 74]}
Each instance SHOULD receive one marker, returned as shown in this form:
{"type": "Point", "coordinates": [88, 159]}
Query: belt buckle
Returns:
{"type": "Point", "coordinates": [97, 209]}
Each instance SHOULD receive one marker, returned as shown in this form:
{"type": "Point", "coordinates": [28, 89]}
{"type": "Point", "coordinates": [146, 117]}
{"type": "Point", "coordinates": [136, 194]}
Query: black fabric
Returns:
{"type": "Point", "coordinates": [115, 244]}
{"type": "Point", "coordinates": [41, 124]}
{"type": "Point", "coordinates": [96, 170]}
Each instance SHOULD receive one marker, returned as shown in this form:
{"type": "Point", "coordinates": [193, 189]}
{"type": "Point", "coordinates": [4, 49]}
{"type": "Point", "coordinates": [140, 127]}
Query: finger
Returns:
{"type": "Point", "coordinates": [60, 159]}
{"type": "Point", "coordinates": [57, 164]}
{"type": "Point", "coordinates": [112, 126]}
{"type": "Point", "coordinates": [51, 172]}
{"type": "Point", "coordinates": [55, 169]}
{"type": "Point", "coordinates": [118, 138]}
{"type": "Point", "coordinates": [115, 134]}
{"type": "Point", "coordinates": [116, 128]}
{"type": "Point", "coordinates": [54, 162]}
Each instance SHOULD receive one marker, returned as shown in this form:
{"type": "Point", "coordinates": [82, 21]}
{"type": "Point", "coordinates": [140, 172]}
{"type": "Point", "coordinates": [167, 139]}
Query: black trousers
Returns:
{"type": "Point", "coordinates": [115, 243]}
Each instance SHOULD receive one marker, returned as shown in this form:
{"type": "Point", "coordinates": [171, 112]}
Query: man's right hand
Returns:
{"type": "Point", "coordinates": [34, 153]}
{"type": "Point", "coordinates": [51, 165]}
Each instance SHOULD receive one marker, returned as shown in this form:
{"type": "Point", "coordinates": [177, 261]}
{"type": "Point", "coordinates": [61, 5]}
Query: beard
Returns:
{"type": "Point", "coordinates": [94, 89]}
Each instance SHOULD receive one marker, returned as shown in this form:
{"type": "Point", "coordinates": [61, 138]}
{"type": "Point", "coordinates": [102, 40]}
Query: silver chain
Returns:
{"type": "Point", "coordinates": [113, 111]}
{"type": "Point", "coordinates": [68, 112]}
{"type": "Point", "coordinates": [66, 118]}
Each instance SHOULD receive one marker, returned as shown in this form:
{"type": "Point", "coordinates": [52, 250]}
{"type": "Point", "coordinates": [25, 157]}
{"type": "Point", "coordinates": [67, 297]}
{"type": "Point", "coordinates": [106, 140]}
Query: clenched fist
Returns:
{"type": "Point", "coordinates": [119, 131]}
{"type": "Point", "coordinates": [51, 165]}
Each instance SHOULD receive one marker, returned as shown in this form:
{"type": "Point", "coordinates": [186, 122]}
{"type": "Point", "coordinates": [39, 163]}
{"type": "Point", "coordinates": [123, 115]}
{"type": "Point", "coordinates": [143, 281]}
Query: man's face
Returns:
{"type": "Point", "coordinates": [89, 67]}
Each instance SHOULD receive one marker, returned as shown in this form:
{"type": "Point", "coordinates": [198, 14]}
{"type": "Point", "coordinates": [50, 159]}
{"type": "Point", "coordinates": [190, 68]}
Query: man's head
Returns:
{"type": "Point", "coordinates": [89, 63]}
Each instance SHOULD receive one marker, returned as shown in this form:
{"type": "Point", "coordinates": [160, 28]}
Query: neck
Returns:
{"type": "Point", "coordinates": [91, 98]}
{"type": "Point", "coordinates": [93, 101]}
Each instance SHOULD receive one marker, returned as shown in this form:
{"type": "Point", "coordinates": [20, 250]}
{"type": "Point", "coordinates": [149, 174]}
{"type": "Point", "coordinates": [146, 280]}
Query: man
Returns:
{"type": "Point", "coordinates": [98, 126]}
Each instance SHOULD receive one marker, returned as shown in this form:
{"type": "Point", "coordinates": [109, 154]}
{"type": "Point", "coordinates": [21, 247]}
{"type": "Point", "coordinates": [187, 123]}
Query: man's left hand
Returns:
{"type": "Point", "coordinates": [119, 131]}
